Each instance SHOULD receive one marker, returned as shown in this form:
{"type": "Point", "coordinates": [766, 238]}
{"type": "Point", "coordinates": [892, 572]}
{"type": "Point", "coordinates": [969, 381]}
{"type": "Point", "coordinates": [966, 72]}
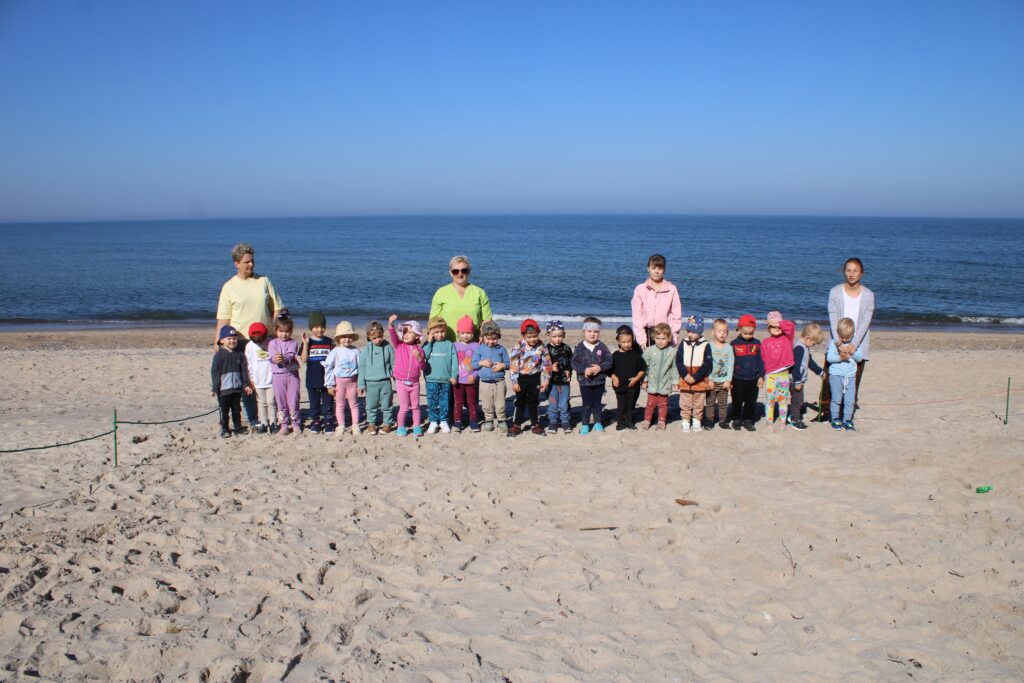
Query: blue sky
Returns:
{"type": "Point", "coordinates": [137, 110]}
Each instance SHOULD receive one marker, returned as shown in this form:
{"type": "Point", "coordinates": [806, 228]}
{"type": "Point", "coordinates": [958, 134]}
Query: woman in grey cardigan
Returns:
{"type": "Point", "coordinates": [851, 300]}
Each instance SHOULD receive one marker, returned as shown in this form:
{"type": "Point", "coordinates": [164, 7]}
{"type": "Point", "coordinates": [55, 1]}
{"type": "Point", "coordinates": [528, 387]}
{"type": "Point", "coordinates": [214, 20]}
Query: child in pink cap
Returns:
{"type": "Point", "coordinates": [466, 387]}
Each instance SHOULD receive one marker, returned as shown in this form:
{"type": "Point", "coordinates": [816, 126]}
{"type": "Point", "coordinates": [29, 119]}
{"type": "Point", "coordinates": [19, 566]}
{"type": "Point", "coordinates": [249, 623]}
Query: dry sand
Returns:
{"type": "Point", "coordinates": [811, 556]}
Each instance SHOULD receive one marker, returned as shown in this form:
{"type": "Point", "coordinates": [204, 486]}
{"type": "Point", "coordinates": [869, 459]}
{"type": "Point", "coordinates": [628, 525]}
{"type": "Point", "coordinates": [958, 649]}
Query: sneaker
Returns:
{"type": "Point", "coordinates": [314, 427]}
{"type": "Point", "coordinates": [502, 427]}
{"type": "Point", "coordinates": [724, 425]}
{"type": "Point", "coordinates": [329, 429]}
{"type": "Point", "coordinates": [241, 430]}
{"type": "Point", "coordinates": [474, 426]}
{"type": "Point", "coordinates": [371, 430]}
{"type": "Point", "coordinates": [385, 428]}
{"type": "Point", "coordinates": [356, 431]}
{"type": "Point", "coordinates": [584, 430]}
{"type": "Point", "coordinates": [848, 426]}
{"type": "Point", "coordinates": [457, 427]}
{"type": "Point", "coordinates": [697, 426]}
{"type": "Point", "coordinates": [598, 427]}
{"type": "Point", "coordinates": [630, 426]}
{"type": "Point", "coordinates": [417, 431]}
{"type": "Point", "coordinates": [645, 425]}
{"type": "Point", "coordinates": [515, 430]}
{"type": "Point", "coordinates": [662, 426]}
{"type": "Point", "coordinates": [283, 431]}
{"type": "Point", "coordinates": [445, 429]}
{"type": "Point", "coordinates": [401, 431]}
{"type": "Point", "coordinates": [262, 429]}
{"type": "Point", "coordinates": [552, 429]}
{"type": "Point", "coordinates": [737, 425]}
{"type": "Point", "coordinates": [537, 429]}
{"type": "Point", "coordinates": [749, 426]}
{"type": "Point", "coordinates": [797, 424]}
{"type": "Point", "coordinates": [275, 428]}
{"type": "Point", "coordinates": [837, 425]}
{"type": "Point", "coordinates": [432, 428]}
{"type": "Point", "coordinates": [488, 426]}
{"type": "Point", "coordinates": [225, 434]}
{"type": "Point", "coordinates": [686, 426]}
{"type": "Point", "coordinates": [566, 429]}
{"type": "Point", "coordinates": [620, 427]}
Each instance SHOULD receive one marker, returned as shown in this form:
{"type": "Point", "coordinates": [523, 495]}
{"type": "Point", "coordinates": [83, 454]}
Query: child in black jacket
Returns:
{"type": "Point", "coordinates": [229, 375]}
{"type": "Point", "coordinates": [747, 375]}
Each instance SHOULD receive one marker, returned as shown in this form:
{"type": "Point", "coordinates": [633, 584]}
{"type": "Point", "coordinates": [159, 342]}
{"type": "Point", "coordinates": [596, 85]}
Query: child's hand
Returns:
{"type": "Point", "coordinates": [727, 386]}
{"type": "Point", "coordinates": [543, 387]}
{"type": "Point", "coordinates": [798, 387]}
{"type": "Point", "coordinates": [391, 319]}
{"type": "Point", "coordinates": [689, 379]}
{"type": "Point", "coordinates": [593, 370]}
{"type": "Point", "coordinates": [760, 382]}
{"type": "Point", "coordinates": [278, 358]}
{"type": "Point", "coordinates": [633, 382]}
{"type": "Point", "coordinates": [362, 392]}
{"type": "Point", "coordinates": [485, 363]}
{"type": "Point", "coordinates": [305, 337]}
{"type": "Point", "coordinates": [471, 379]}
{"type": "Point", "coordinates": [644, 386]}
{"type": "Point", "coordinates": [615, 381]}
{"type": "Point", "coordinates": [516, 388]}
{"type": "Point", "coordinates": [330, 390]}
{"type": "Point", "coordinates": [554, 367]}
{"type": "Point", "coordinates": [213, 393]}
{"type": "Point", "coordinates": [453, 381]}
{"type": "Point", "coordinates": [498, 367]}
{"type": "Point", "coordinates": [248, 391]}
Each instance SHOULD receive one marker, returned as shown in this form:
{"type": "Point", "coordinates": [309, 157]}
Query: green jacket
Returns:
{"type": "Point", "coordinates": [375, 363]}
{"type": "Point", "coordinates": [442, 361]}
{"type": "Point", "coordinates": [662, 376]}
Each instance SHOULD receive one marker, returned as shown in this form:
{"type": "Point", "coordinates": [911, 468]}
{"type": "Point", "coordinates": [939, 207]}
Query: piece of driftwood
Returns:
{"type": "Point", "coordinates": [684, 502]}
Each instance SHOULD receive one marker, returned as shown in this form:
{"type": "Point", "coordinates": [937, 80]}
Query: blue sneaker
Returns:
{"type": "Point", "coordinates": [328, 429]}
{"type": "Point", "coordinates": [598, 427]}
{"type": "Point", "coordinates": [417, 431]}
{"type": "Point", "coordinates": [474, 426]}
{"type": "Point", "coordinates": [584, 430]}
{"type": "Point", "coordinates": [314, 427]}
{"type": "Point", "coordinates": [837, 425]}
{"type": "Point", "coordinates": [402, 431]}
{"type": "Point", "coordinates": [848, 426]}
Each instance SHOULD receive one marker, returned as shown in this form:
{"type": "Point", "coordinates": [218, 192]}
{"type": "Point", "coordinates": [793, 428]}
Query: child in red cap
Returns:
{"type": "Point", "coordinates": [261, 376]}
{"type": "Point", "coordinates": [747, 374]}
{"type": "Point", "coordinates": [530, 372]}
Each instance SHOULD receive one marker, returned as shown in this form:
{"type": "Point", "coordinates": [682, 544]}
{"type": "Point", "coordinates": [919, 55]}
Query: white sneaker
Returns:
{"type": "Point", "coordinates": [445, 428]}
{"type": "Point", "coordinates": [432, 429]}
{"type": "Point", "coordinates": [697, 427]}
{"type": "Point", "coordinates": [686, 426]}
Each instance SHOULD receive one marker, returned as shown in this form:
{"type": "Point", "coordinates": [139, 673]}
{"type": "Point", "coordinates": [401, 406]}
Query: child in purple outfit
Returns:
{"type": "Point", "coordinates": [284, 354]}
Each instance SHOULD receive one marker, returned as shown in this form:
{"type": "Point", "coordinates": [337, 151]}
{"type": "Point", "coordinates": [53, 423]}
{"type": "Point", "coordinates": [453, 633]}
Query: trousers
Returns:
{"type": "Point", "coordinates": [776, 389]}
{"type": "Point", "coordinates": [437, 401]}
{"type": "Point", "coordinates": [408, 400]}
{"type": "Point", "coordinates": [466, 394]}
{"type": "Point", "coordinates": [492, 399]}
{"type": "Point", "coordinates": [230, 405]}
{"type": "Point", "coordinates": [346, 390]}
{"type": "Point", "coordinates": [558, 405]}
{"type": "Point", "coordinates": [527, 399]}
{"type": "Point", "coordinates": [590, 398]}
{"type": "Point", "coordinates": [378, 401]}
{"type": "Point", "coordinates": [321, 404]}
{"type": "Point", "coordinates": [656, 403]}
{"type": "Point", "coordinates": [267, 404]}
{"type": "Point", "coordinates": [691, 405]}
{"type": "Point", "coordinates": [286, 393]}
{"type": "Point", "coordinates": [744, 399]}
{"type": "Point", "coordinates": [718, 398]}
{"type": "Point", "coordinates": [844, 391]}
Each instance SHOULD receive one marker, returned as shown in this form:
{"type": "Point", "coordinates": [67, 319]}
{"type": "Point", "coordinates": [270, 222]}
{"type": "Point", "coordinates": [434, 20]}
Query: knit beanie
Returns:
{"type": "Point", "coordinates": [317, 319]}
{"type": "Point", "coordinates": [695, 323]}
{"type": "Point", "coordinates": [465, 324]}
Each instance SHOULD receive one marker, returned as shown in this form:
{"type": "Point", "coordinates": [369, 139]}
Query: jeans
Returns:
{"type": "Point", "coordinates": [378, 400]}
{"type": "Point", "coordinates": [844, 389]}
{"type": "Point", "coordinates": [321, 405]}
{"type": "Point", "coordinates": [437, 401]}
{"type": "Point", "coordinates": [558, 405]}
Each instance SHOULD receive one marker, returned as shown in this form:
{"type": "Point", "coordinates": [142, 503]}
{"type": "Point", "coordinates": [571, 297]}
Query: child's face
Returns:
{"type": "Point", "coordinates": [410, 337]}
{"type": "Point", "coordinates": [809, 343]}
{"type": "Point", "coordinates": [746, 331]}
{"type": "Point", "coordinates": [318, 330]}
{"type": "Point", "coordinates": [229, 343]}
{"type": "Point", "coordinates": [283, 333]}
{"type": "Point", "coordinates": [774, 330]}
{"type": "Point", "coordinates": [465, 337]}
{"type": "Point", "coordinates": [346, 341]}
{"type": "Point", "coordinates": [721, 332]}
{"type": "Point", "coordinates": [556, 337]}
{"type": "Point", "coordinates": [491, 340]}
{"type": "Point", "coordinates": [846, 339]}
{"type": "Point", "coordinates": [531, 337]}
{"type": "Point", "coordinates": [625, 342]}
{"type": "Point", "coordinates": [592, 335]}
{"type": "Point", "coordinates": [662, 340]}
{"type": "Point", "coordinates": [375, 337]}
{"type": "Point", "coordinates": [437, 333]}
{"type": "Point", "coordinates": [657, 273]}
{"type": "Point", "coordinates": [692, 336]}
{"type": "Point", "coordinates": [258, 338]}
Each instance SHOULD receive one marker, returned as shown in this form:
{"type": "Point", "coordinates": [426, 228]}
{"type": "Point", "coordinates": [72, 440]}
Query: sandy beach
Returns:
{"type": "Point", "coordinates": [809, 555]}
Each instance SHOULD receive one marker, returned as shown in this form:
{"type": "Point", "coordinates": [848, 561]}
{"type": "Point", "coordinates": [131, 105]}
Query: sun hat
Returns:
{"type": "Point", "coordinates": [345, 329]}
{"type": "Point", "coordinates": [465, 324]}
{"type": "Point", "coordinates": [413, 326]}
{"type": "Point", "coordinates": [695, 323]}
{"type": "Point", "coordinates": [317, 319]}
{"type": "Point", "coordinates": [490, 328]}
{"type": "Point", "coordinates": [227, 331]}
{"type": "Point", "coordinates": [528, 323]}
{"type": "Point", "coordinates": [774, 318]}
{"type": "Point", "coordinates": [257, 328]}
{"type": "Point", "coordinates": [437, 321]}
{"type": "Point", "coordinates": [747, 320]}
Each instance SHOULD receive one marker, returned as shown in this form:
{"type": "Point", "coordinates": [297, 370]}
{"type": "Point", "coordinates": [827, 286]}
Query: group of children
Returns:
{"type": "Point", "coordinates": [706, 373]}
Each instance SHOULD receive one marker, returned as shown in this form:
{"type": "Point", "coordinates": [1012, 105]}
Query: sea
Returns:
{"type": "Point", "coordinates": [927, 273]}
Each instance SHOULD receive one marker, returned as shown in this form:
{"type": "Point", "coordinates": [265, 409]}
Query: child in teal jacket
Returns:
{"type": "Point", "coordinates": [441, 373]}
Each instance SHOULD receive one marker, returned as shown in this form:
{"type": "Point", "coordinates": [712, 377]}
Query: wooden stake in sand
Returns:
{"type": "Point", "coordinates": [1006, 420]}
{"type": "Point", "coordinates": [115, 437]}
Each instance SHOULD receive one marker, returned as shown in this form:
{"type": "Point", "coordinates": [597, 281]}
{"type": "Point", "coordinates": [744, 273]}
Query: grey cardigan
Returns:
{"type": "Point", "coordinates": [862, 331]}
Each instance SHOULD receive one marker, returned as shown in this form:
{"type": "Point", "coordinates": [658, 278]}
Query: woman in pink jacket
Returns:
{"type": "Point", "coordinates": [656, 300]}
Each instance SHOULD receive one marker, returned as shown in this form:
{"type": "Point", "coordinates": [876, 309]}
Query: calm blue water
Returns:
{"type": "Point", "coordinates": [923, 271]}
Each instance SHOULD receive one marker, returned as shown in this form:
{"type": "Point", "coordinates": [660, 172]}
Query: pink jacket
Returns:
{"type": "Point", "coordinates": [409, 359]}
{"type": "Point", "coordinates": [777, 352]}
{"type": "Point", "coordinates": [651, 307]}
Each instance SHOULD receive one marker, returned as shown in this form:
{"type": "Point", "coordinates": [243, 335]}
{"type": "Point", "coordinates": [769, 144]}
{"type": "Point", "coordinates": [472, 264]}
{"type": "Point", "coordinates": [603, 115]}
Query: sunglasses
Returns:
{"type": "Point", "coordinates": [460, 271]}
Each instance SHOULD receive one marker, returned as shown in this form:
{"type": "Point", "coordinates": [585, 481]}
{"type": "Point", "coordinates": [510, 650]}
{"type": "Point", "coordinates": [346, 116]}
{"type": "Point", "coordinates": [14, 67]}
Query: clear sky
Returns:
{"type": "Point", "coordinates": [169, 109]}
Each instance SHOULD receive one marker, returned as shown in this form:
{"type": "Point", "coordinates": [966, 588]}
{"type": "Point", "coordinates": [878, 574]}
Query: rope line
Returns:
{"type": "Point", "coordinates": [58, 445]}
{"type": "Point", "coordinates": [166, 422]}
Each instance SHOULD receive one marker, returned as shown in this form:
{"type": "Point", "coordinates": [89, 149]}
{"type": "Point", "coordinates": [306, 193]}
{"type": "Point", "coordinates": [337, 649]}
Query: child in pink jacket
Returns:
{"type": "Point", "coordinates": [409, 365]}
{"type": "Point", "coordinates": [777, 353]}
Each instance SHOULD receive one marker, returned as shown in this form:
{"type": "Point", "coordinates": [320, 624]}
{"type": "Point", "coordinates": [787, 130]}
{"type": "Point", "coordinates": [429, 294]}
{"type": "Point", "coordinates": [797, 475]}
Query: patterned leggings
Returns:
{"type": "Point", "coordinates": [776, 394]}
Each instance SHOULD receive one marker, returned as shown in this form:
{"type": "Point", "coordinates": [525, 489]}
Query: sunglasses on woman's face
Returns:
{"type": "Point", "coordinates": [460, 271]}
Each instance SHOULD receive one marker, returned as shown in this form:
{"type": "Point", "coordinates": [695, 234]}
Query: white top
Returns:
{"type": "Point", "coordinates": [343, 362]}
{"type": "Point", "coordinates": [851, 306]}
{"type": "Point", "coordinates": [590, 347]}
{"type": "Point", "coordinates": [260, 367]}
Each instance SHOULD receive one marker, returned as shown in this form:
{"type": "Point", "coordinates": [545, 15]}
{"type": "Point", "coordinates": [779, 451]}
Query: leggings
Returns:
{"type": "Point", "coordinates": [346, 390]}
{"type": "Point", "coordinates": [656, 403]}
{"type": "Point", "coordinates": [408, 399]}
{"type": "Point", "coordinates": [466, 394]}
{"type": "Point", "coordinates": [590, 397]}
{"type": "Point", "coordinates": [776, 388]}
{"type": "Point", "coordinates": [624, 401]}
{"type": "Point", "coordinates": [286, 393]}
{"type": "Point", "coordinates": [267, 404]}
{"type": "Point", "coordinates": [718, 397]}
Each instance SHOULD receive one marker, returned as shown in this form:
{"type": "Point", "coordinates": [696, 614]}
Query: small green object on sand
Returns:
{"type": "Point", "coordinates": [983, 489]}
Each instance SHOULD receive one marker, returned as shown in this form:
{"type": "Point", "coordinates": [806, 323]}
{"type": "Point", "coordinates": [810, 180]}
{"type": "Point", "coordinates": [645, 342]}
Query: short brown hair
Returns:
{"type": "Point", "coordinates": [663, 329]}
{"type": "Point", "coordinates": [284, 324]}
{"type": "Point", "coordinates": [373, 328]}
{"type": "Point", "coordinates": [656, 260]}
{"type": "Point", "coordinates": [720, 321]}
{"type": "Point", "coordinates": [592, 319]}
{"type": "Point", "coordinates": [845, 327]}
{"type": "Point", "coordinates": [813, 332]}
